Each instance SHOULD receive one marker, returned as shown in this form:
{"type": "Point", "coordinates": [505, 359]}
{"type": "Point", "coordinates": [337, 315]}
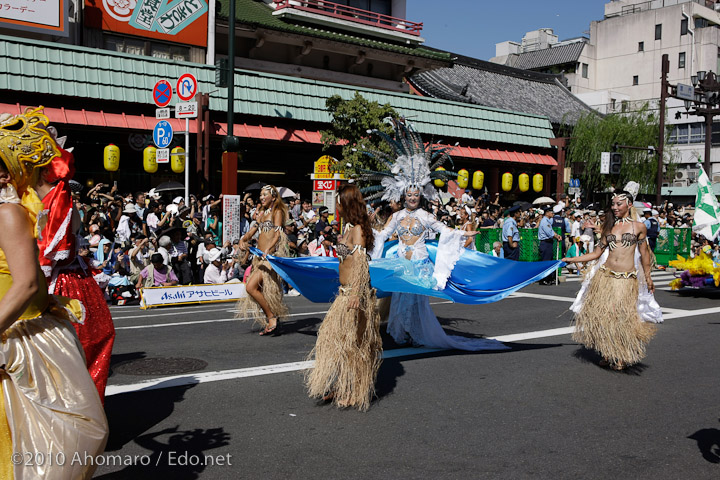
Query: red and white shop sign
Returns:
{"type": "Point", "coordinates": [324, 185]}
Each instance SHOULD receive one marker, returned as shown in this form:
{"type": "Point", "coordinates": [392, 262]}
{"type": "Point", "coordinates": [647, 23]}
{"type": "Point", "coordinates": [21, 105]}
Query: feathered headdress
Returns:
{"type": "Point", "coordinates": [410, 165]}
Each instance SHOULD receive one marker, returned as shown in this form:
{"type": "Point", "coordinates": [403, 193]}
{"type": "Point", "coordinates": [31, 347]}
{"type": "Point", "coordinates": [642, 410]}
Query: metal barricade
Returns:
{"type": "Point", "coordinates": [529, 243]}
{"type": "Point", "coordinates": [672, 242]}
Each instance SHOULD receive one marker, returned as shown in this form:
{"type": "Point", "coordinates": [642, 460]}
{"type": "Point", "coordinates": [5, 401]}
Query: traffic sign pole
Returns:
{"type": "Point", "coordinates": [187, 162]}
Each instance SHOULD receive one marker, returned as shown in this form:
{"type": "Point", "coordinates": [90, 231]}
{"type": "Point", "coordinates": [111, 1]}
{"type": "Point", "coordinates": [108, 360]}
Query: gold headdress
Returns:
{"type": "Point", "coordinates": [25, 145]}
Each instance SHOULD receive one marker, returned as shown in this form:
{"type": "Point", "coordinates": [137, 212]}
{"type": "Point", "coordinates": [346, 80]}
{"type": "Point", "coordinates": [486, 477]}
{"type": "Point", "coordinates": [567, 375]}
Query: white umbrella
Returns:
{"type": "Point", "coordinates": [543, 201]}
{"type": "Point", "coordinates": [286, 192]}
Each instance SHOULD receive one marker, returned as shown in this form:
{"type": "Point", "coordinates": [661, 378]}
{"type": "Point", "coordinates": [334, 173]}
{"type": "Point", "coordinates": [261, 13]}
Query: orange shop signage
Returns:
{"type": "Point", "coordinates": [179, 21]}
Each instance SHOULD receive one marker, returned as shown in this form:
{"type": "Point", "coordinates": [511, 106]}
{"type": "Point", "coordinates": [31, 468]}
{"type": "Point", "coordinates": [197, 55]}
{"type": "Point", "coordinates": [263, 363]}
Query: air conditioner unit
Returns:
{"type": "Point", "coordinates": [693, 174]}
{"type": "Point", "coordinates": [680, 184]}
{"type": "Point", "coordinates": [716, 178]}
{"type": "Point", "coordinates": [681, 175]}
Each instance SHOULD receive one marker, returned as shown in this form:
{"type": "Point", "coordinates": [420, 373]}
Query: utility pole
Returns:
{"type": "Point", "coordinates": [661, 139]}
{"type": "Point", "coordinates": [231, 143]}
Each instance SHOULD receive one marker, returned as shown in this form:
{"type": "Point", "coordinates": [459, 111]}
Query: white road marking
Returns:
{"type": "Point", "coordinates": [191, 379]}
{"type": "Point", "coordinates": [220, 320]}
{"type": "Point", "coordinates": [204, 377]}
{"type": "Point", "coordinates": [198, 322]}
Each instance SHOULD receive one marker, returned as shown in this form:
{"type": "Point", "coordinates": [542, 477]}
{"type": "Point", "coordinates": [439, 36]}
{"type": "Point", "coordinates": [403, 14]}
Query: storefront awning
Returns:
{"type": "Point", "coordinates": [503, 155]}
{"type": "Point", "coordinates": [244, 130]}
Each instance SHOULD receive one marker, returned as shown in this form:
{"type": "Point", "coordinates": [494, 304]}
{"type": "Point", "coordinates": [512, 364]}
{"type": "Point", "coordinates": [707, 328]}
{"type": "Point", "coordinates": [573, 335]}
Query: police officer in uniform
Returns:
{"type": "Point", "coordinates": [546, 235]}
{"type": "Point", "coordinates": [511, 234]}
{"type": "Point", "coordinates": [653, 227]}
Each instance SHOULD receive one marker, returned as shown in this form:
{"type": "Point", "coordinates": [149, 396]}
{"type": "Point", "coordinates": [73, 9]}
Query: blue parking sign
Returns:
{"type": "Point", "coordinates": [162, 134]}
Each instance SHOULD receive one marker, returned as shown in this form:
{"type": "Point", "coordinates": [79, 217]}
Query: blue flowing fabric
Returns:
{"type": "Point", "coordinates": [476, 279]}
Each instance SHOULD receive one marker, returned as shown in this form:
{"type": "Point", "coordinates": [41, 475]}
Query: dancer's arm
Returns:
{"type": "Point", "coordinates": [588, 257]}
{"type": "Point", "coordinates": [16, 237]}
{"type": "Point", "coordinates": [383, 235]}
{"type": "Point", "coordinates": [356, 282]}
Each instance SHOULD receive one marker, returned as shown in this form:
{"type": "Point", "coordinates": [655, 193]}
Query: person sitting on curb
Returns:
{"type": "Point", "coordinates": [157, 274]}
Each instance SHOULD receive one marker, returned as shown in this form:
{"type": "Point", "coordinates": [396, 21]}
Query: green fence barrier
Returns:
{"type": "Point", "coordinates": [672, 242]}
{"type": "Point", "coordinates": [529, 243]}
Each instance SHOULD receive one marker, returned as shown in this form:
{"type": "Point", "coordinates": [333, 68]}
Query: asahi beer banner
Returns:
{"type": "Point", "coordinates": [185, 294]}
{"type": "Point", "coordinates": [180, 21]}
{"type": "Point", "coordinates": [40, 16]}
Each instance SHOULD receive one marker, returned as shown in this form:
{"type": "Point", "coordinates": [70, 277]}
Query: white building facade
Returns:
{"type": "Point", "coordinates": [620, 64]}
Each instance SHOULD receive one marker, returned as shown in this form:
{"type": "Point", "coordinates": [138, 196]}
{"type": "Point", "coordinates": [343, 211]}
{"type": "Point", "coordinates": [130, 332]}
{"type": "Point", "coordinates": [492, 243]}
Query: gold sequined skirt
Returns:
{"type": "Point", "coordinates": [51, 405]}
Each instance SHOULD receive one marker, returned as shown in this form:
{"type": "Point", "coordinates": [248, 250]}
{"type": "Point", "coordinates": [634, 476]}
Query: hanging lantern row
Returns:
{"type": "Point", "coordinates": [111, 159]}
{"type": "Point", "coordinates": [478, 179]}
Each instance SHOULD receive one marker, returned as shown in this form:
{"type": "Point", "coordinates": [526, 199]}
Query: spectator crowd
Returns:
{"type": "Point", "coordinates": [154, 239]}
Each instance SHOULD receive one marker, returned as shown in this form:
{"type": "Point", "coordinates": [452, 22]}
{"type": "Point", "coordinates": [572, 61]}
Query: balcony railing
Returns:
{"type": "Point", "coordinates": [344, 12]}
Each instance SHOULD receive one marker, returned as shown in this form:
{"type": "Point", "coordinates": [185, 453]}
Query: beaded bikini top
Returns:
{"type": "Point", "coordinates": [268, 226]}
{"type": "Point", "coordinates": [344, 251]}
{"type": "Point", "coordinates": [627, 240]}
{"type": "Point", "coordinates": [415, 230]}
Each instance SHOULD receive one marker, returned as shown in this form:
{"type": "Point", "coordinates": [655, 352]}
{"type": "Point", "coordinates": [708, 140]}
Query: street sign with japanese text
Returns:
{"type": "Point", "coordinates": [324, 185]}
{"type": "Point", "coordinates": [162, 113]}
{"type": "Point", "coordinates": [162, 155]}
{"type": "Point", "coordinates": [605, 163]}
{"type": "Point", "coordinates": [686, 92]}
{"type": "Point", "coordinates": [186, 110]}
{"type": "Point", "coordinates": [162, 134]}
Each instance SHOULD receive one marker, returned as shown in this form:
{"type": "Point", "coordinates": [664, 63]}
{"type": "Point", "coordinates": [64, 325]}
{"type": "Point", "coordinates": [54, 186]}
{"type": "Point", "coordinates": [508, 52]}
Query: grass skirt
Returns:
{"type": "Point", "coordinates": [609, 321]}
{"type": "Point", "coordinates": [348, 349]}
{"type": "Point", "coordinates": [272, 290]}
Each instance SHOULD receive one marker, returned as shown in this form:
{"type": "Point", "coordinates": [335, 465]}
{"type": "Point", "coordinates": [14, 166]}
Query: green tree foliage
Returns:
{"type": "Point", "coordinates": [594, 134]}
{"type": "Point", "coordinates": [351, 120]}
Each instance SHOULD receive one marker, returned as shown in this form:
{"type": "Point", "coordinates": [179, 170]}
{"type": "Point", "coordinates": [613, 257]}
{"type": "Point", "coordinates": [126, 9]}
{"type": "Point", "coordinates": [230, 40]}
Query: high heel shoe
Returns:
{"type": "Point", "coordinates": [271, 331]}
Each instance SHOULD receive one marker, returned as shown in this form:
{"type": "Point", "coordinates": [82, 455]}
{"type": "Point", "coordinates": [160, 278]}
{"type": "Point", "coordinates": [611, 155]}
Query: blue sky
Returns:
{"type": "Point", "coordinates": [473, 27]}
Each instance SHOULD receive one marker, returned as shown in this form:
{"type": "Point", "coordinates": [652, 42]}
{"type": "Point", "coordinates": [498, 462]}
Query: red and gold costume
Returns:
{"type": "Point", "coordinates": [69, 275]}
{"type": "Point", "coordinates": [48, 403]}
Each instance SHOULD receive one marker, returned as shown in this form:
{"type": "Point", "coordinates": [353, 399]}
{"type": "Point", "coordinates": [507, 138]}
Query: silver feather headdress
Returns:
{"type": "Point", "coordinates": [410, 165]}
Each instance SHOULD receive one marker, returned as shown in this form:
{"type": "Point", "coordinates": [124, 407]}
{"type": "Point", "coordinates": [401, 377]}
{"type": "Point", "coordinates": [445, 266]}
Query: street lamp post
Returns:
{"type": "Point", "coordinates": [707, 105]}
{"type": "Point", "coordinates": [704, 97]}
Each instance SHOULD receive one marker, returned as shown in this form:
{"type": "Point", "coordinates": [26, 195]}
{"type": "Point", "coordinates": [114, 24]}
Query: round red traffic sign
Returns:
{"type": "Point", "coordinates": [186, 86]}
{"type": "Point", "coordinates": [162, 93]}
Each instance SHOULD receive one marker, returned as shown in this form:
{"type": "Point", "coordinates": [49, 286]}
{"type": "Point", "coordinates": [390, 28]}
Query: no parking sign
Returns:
{"type": "Point", "coordinates": [162, 93]}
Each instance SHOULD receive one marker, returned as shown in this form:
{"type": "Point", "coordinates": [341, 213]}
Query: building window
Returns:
{"type": "Point", "coordinates": [658, 31]}
{"type": "Point", "coordinates": [641, 46]}
{"type": "Point", "coordinates": [636, 80]}
{"type": "Point", "coordinates": [585, 70]}
{"type": "Point", "coordinates": [681, 60]}
{"type": "Point", "coordinates": [683, 26]}
{"type": "Point", "coordinates": [687, 133]}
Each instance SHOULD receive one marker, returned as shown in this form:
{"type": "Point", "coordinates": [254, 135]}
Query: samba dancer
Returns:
{"type": "Point", "coordinates": [264, 302]}
{"type": "Point", "coordinates": [48, 403]}
{"type": "Point", "coordinates": [66, 273]}
{"type": "Point", "coordinates": [409, 176]}
{"type": "Point", "coordinates": [615, 310]}
{"type": "Point", "coordinates": [348, 348]}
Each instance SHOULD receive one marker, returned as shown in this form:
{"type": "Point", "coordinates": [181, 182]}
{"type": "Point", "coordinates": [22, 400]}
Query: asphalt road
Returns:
{"type": "Point", "coordinates": [542, 409]}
